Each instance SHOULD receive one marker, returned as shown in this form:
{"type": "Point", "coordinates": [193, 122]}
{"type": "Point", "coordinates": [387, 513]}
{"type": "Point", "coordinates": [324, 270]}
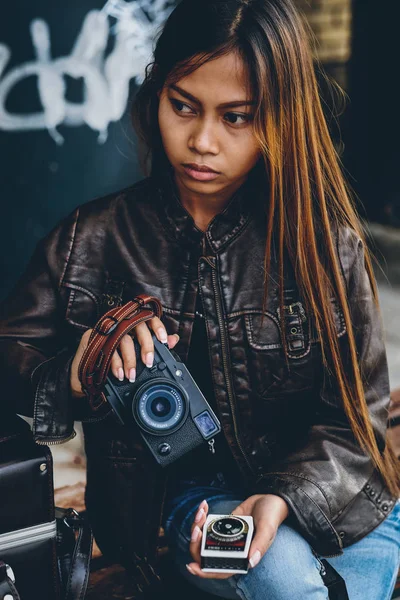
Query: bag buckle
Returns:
{"type": "Point", "coordinates": [67, 515]}
{"type": "Point", "coordinates": [289, 308]}
{"type": "Point", "coordinates": [10, 573]}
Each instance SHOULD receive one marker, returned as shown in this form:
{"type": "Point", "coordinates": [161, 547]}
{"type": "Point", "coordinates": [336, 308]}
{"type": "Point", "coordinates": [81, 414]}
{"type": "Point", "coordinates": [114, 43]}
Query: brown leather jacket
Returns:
{"type": "Point", "coordinates": [286, 428]}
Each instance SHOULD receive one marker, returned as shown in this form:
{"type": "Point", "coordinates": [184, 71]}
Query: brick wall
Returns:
{"type": "Point", "coordinates": [330, 21]}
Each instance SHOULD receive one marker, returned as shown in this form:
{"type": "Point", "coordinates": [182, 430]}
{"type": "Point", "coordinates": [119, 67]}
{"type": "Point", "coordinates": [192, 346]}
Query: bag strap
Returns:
{"type": "Point", "coordinates": [334, 582]}
{"type": "Point", "coordinates": [74, 553]}
{"type": "Point", "coordinates": [7, 588]}
{"type": "Point", "coordinates": [73, 556]}
{"type": "Point", "coordinates": [105, 338]}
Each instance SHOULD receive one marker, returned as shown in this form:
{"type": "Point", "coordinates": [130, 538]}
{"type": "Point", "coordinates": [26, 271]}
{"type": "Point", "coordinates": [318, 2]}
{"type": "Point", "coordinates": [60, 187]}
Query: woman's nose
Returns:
{"type": "Point", "coordinates": [203, 138]}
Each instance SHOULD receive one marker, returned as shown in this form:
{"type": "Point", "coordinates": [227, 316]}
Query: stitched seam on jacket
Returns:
{"type": "Point", "coordinates": [39, 365]}
{"type": "Point", "coordinates": [69, 249]}
{"type": "Point", "coordinates": [250, 332]}
{"type": "Point", "coordinates": [301, 476]}
{"type": "Point", "coordinates": [75, 324]}
{"type": "Point", "coordinates": [36, 402]}
{"type": "Point", "coordinates": [73, 286]}
{"type": "Point", "coordinates": [229, 354]}
{"type": "Point", "coordinates": [229, 241]}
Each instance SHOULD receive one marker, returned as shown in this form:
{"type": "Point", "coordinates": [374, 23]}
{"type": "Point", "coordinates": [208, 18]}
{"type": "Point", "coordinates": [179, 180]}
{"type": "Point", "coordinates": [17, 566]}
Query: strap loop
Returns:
{"type": "Point", "coordinates": [105, 338]}
{"type": "Point", "coordinates": [99, 327]}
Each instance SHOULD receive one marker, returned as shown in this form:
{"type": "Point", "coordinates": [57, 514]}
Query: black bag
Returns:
{"type": "Point", "coordinates": [44, 551]}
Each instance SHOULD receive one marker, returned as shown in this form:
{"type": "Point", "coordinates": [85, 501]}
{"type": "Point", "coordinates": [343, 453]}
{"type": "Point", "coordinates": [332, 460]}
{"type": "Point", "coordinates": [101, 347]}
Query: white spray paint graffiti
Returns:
{"type": "Point", "coordinates": [106, 78]}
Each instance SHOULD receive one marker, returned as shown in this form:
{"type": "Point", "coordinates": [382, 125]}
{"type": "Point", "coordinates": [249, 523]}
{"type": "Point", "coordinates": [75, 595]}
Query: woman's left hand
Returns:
{"type": "Point", "coordinates": [268, 512]}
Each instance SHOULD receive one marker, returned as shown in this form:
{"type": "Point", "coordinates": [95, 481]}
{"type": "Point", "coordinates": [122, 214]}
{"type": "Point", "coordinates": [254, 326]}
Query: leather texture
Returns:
{"type": "Point", "coordinates": [74, 545]}
{"type": "Point", "coordinates": [26, 500]}
{"type": "Point", "coordinates": [46, 562]}
{"type": "Point", "coordinates": [284, 424]}
{"type": "Point", "coordinates": [7, 587]}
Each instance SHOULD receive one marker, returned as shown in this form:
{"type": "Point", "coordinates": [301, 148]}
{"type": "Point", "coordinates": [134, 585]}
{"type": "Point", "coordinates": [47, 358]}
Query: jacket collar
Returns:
{"type": "Point", "coordinates": [225, 226]}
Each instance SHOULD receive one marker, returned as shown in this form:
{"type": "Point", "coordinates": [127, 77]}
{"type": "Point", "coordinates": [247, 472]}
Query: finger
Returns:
{"type": "Point", "coordinates": [82, 345]}
{"type": "Point", "coordinates": [128, 353]}
{"type": "Point", "coordinates": [197, 529]}
{"type": "Point", "coordinates": [116, 366]}
{"type": "Point", "coordinates": [202, 511]}
{"type": "Point", "coordinates": [195, 543]}
{"type": "Point", "coordinates": [85, 338]}
{"type": "Point", "coordinates": [158, 327]}
{"type": "Point", "coordinates": [161, 333]}
{"type": "Point", "coordinates": [262, 540]}
{"type": "Point", "coordinates": [143, 335]}
{"type": "Point", "coordinates": [194, 569]}
{"type": "Point", "coordinates": [173, 340]}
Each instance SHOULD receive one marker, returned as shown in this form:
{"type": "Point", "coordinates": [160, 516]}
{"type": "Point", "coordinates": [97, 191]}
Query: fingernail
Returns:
{"type": "Point", "coordinates": [121, 374]}
{"type": "Point", "coordinates": [162, 334]}
{"type": "Point", "coordinates": [149, 359]}
{"type": "Point", "coordinates": [202, 504]}
{"type": "Point", "coordinates": [199, 515]}
{"type": "Point", "coordinates": [132, 375]}
{"type": "Point", "coordinates": [255, 559]}
{"type": "Point", "coordinates": [189, 568]}
{"type": "Point", "coordinates": [195, 534]}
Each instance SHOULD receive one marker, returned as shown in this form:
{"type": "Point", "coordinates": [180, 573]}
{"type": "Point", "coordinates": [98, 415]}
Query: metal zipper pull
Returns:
{"type": "Point", "coordinates": [211, 444]}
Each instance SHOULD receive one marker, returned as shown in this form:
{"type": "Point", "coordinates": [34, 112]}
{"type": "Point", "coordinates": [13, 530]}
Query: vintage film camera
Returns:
{"type": "Point", "coordinates": [165, 403]}
{"type": "Point", "coordinates": [225, 543]}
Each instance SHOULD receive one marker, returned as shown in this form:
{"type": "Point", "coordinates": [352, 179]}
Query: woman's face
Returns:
{"type": "Point", "coordinates": [198, 127]}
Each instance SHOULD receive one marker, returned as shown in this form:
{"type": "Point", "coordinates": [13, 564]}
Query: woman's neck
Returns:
{"type": "Point", "coordinates": [204, 207]}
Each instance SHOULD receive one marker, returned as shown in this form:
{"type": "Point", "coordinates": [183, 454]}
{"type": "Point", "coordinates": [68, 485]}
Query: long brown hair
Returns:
{"type": "Point", "coordinates": [308, 197]}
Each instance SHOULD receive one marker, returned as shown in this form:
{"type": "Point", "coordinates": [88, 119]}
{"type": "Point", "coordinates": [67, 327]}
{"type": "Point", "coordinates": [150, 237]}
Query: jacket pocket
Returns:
{"type": "Point", "coordinates": [272, 374]}
{"type": "Point", "coordinates": [83, 308]}
{"type": "Point", "coordinates": [268, 370]}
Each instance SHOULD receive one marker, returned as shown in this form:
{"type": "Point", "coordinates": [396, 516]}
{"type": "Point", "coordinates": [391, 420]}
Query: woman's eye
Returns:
{"type": "Point", "coordinates": [246, 118]}
{"type": "Point", "coordinates": [177, 105]}
{"type": "Point", "coordinates": [233, 118]}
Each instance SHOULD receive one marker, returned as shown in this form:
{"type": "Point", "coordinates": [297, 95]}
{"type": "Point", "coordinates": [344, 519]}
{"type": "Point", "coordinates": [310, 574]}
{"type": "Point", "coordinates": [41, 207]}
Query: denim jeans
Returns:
{"type": "Point", "coordinates": [289, 570]}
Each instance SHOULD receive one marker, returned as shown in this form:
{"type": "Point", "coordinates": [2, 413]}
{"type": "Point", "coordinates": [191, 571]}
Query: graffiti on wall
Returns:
{"type": "Point", "coordinates": [106, 75]}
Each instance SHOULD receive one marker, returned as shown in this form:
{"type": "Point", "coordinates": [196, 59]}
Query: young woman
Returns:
{"type": "Point", "coordinates": [245, 231]}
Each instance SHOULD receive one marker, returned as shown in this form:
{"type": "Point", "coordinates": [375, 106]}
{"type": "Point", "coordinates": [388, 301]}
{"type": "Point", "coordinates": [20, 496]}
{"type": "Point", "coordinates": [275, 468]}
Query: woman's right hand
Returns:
{"type": "Point", "coordinates": [124, 364]}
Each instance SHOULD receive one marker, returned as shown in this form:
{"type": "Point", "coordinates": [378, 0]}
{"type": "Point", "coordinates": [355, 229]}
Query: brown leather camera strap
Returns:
{"type": "Point", "coordinates": [105, 338]}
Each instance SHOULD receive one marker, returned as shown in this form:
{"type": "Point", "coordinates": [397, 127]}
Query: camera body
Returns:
{"type": "Point", "coordinates": [225, 543]}
{"type": "Point", "coordinates": [165, 403]}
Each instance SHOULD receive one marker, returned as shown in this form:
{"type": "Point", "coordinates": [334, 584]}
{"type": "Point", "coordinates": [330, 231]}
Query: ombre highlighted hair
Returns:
{"type": "Point", "coordinates": [307, 196]}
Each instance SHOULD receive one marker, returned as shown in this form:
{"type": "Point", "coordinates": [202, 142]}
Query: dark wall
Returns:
{"type": "Point", "coordinates": [40, 180]}
{"type": "Point", "coordinates": [372, 153]}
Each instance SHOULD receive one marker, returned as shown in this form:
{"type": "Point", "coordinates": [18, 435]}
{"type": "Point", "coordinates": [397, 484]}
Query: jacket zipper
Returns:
{"type": "Point", "coordinates": [226, 369]}
{"type": "Point", "coordinates": [55, 442]}
{"type": "Point", "coordinates": [21, 537]}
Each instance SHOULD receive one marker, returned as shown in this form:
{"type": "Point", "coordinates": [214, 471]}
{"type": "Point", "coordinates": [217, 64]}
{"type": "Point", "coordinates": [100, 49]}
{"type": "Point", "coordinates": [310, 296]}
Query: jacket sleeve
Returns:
{"type": "Point", "coordinates": [35, 359]}
{"type": "Point", "coordinates": [322, 476]}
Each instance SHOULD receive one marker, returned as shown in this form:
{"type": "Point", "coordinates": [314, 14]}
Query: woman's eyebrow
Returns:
{"type": "Point", "coordinates": [197, 101]}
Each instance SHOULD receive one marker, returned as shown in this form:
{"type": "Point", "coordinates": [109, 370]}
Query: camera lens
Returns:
{"type": "Point", "coordinates": [228, 526]}
{"type": "Point", "coordinates": [160, 407]}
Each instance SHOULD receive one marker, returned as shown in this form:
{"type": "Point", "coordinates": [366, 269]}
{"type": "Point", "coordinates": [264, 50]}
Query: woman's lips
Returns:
{"type": "Point", "coordinates": [200, 175]}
